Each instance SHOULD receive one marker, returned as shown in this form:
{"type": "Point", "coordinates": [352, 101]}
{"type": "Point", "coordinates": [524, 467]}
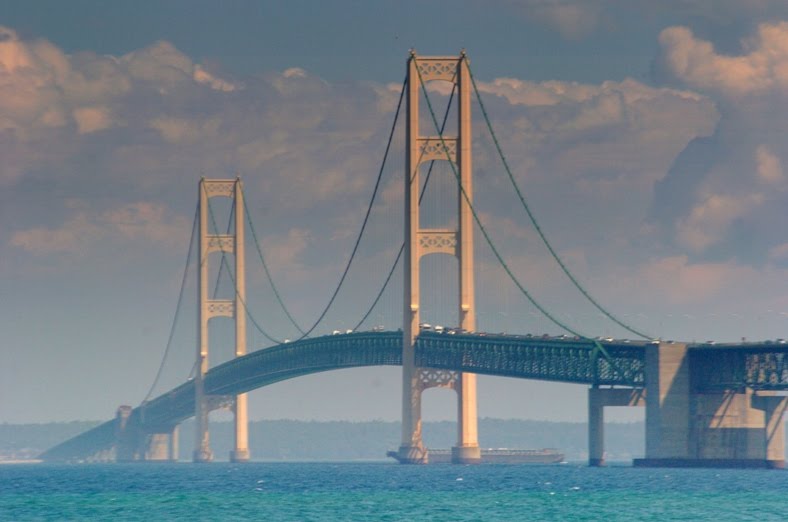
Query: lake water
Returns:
{"type": "Point", "coordinates": [378, 491]}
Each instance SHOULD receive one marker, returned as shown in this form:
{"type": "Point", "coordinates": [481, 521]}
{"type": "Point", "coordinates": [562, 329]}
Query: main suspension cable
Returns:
{"type": "Point", "coordinates": [421, 196]}
{"type": "Point", "coordinates": [487, 237]}
{"type": "Point", "coordinates": [265, 267]}
{"type": "Point", "coordinates": [235, 285]}
{"type": "Point", "coordinates": [366, 216]}
{"type": "Point", "coordinates": [177, 308]}
{"type": "Point", "coordinates": [533, 220]}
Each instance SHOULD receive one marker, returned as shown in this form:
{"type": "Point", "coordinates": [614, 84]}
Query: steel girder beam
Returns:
{"type": "Point", "coordinates": [534, 358]}
{"type": "Point", "coordinates": [736, 368]}
{"type": "Point", "coordinates": [557, 360]}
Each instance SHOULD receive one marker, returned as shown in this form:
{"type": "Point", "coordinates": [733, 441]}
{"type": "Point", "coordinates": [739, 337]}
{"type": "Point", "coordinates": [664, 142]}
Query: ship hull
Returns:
{"type": "Point", "coordinates": [497, 456]}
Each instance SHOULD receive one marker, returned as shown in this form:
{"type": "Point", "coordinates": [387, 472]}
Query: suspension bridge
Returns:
{"type": "Point", "coordinates": [706, 404]}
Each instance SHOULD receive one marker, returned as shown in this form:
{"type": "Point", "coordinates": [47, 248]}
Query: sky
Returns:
{"type": "Point", "coordinates": [647, 137]}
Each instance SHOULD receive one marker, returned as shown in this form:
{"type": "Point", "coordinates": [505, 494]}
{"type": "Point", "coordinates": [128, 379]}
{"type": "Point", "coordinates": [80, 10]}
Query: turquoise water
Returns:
{"type": "Point", "coordinates": [375, 491]}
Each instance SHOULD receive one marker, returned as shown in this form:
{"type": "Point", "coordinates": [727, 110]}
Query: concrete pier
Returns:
{"type": "Point", "coordinates": [686, 427]}
{"type": "Point", "coordinates": [128, 443]}
{"type": "Point", "coordinates": [598, 398]}
{"type": "Point", "coordinates": [174, 454]}
{"type": "Point", "coordinates": [158, 447]}
{"type": "Point", "coordinates": [774, 408]}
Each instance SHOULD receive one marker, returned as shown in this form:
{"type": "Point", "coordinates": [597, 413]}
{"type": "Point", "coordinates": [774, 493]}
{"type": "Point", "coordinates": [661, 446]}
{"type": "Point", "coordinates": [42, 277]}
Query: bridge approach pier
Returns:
{"type": "Point", "coordinates": [598, 398]}
{"type": "Point", "coordinates": [134, 443]}
{"type": "Point", "coordinates": [690, 423]}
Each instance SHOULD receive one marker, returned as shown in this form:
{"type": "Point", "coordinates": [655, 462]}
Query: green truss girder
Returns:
{"type": "Point", "coordinates": [760, 367]}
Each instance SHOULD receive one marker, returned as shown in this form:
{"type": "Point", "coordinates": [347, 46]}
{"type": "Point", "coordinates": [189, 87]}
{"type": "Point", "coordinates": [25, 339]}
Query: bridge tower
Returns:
{"type": "Point", "coordinates": [420, 242]}
{"type": "Point", "coordinates": [209, 308]}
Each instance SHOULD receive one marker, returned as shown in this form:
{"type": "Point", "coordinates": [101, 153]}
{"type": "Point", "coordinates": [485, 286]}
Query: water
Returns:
{"type": "Point", "coordinates": [376, 491]}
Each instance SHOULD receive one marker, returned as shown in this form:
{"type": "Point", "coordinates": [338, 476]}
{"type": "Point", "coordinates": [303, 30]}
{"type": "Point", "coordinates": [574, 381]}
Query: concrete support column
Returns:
{"type": "Point", "coordinates": [202, 449]}
{"type": "Point", "coordinates": [202, 443]}
{"type": "Point", "coordinates": [412, 449]}
{"type": "Point", "coordinates": [240, 452]}
{"type": "Point", "coordinates": [598, 398]}
{"type": "Point", "coordinates": [127, 436]}
{"type": "Point", "coordinates": [596, 429]}
{"type": "Point", "coordinates": [174, 444]}
{"type": "Point", "coordinates": [467, 449]}
{"type": "Point", "coordinates": [667, 401]}
{"type": "Point", "coordinates": [158, 447]}
{"type": "Point", "coordinates": [774, 408]}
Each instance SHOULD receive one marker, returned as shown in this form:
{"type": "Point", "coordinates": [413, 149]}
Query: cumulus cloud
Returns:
{"type": "Point", "coordinates": [91, 119]}
{"type": "Point", "coordinates": [202, 76]}
{"type": "Point", "coordinates": [769, 166]}
{"type": "Point", "coordinates": [711, 218]}
{"type": "Point", "coordinates": [762, 67]}
{"type": "Point", "coordinates": [43, 87]}
{"type": "Point", "coordinates": [624, 131]}
{"type": "Point", "coordinates": [722, 195]}
{"type": "Point", "coordinates": [149, 123]}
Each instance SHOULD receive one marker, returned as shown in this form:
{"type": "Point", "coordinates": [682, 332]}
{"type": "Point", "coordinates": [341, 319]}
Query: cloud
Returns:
{"type": "Point", "coordinates": [583, 19]}
{"type": "Point", "coordinates": [595, 134]}
{"type": "Point", "coordinates": [678, 279]}
{"type": "Point", "coordinates": [769, 167]}
{"type": "Point", "coordinates": [722, 197]}
{"type": "Point", "coordinates": [200, 75]}
{"type": "Point", "coordinates": [184, 130]}
{"type": "Point", "coordinates": [763, 67]}
{"type": "Point", "coordinates": [144, 220]}
{"type": "Point", "coordinates": [72, 237]}
{"type": "Point", "coordinates": [149, 123]}
{"type": "Point", "coordinates": [573, 20]}
{"type": "Point", "coordinates": [139, 221]}
{"type": "Point", "coordinates": [779, 254]}
{"type": "Point", "coordinates": [711, 218]}
{"type": "Point", "coordinates": [91, 119]}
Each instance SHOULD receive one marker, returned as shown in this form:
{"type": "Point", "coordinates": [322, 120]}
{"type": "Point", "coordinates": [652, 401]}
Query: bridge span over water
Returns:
{"type": "Point", "coordinates": [615, 372]}
{"type": "Point", "coordinates": [706, 405]}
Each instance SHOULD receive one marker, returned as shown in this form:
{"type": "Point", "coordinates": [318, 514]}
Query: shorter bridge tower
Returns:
{"type": "Point", "coordinates": [420, 242]}
{"type": "Point", "coordinates": [209, 308]}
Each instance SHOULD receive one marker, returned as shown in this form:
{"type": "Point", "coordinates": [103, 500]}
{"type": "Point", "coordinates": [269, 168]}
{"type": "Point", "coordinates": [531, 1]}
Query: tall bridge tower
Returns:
{"type": "Point", "coordinates": [209, 308]}
{"type": "Point", "coordinates": [420, 242]}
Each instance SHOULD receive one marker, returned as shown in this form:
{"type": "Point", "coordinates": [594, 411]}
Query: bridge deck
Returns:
{"type": "Point", "coordinates": [759, 366]}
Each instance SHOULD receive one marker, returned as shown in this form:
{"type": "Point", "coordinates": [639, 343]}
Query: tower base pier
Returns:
{"type": "Point", "coordinates": [240, 455]}
{"type": "Point", "coordinates": [412, 455]}
{"type": "Point", "coordinates": [200, 456]}
{"type": "Point", "coordinates": [466, 455]}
